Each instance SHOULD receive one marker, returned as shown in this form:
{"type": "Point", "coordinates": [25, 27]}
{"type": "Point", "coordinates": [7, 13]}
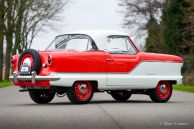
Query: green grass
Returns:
{"type": "Point", "coordinates": [5, 84]}
{"type": "Point", "coordinates": [184, 88]}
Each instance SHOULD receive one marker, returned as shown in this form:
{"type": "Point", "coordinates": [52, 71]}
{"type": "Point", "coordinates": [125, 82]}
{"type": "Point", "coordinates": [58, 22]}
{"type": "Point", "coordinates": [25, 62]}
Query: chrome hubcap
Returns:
{"type": "Point", "coordinates": [44, 96]}
{"type": "Point", "coordinates": [27, 62]}
{"type": "Point", "coordinates": [83, 89]}
{"type": "Point", "coordinates": [163, 89]}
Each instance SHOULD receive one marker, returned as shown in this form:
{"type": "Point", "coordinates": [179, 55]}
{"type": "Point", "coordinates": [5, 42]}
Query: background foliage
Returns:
{"type": "Point", "coordinates": [172, 33]}
{"type": "Point", "coordinates": [20, 21]}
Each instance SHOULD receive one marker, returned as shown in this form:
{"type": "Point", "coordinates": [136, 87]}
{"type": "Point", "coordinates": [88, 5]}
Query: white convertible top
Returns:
{"type": "Point", "coordinates": [99, 36]}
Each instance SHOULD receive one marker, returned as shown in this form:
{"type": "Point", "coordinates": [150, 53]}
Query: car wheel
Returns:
{"type": "Point", "coordinates": [41, 96]}
{"type": "Point", "coordinates": [162, 92]}
{"type": "Point", "coordinates": [80, 93]}
{"type": "Point", "coordinates": [121, 95]}
{"type": "Point", "coordinates": [33, 59]}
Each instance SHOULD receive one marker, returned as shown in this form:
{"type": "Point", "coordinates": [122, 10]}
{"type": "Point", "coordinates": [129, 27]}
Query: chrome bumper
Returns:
{"type": "Point", "coordinates": [33, 78]}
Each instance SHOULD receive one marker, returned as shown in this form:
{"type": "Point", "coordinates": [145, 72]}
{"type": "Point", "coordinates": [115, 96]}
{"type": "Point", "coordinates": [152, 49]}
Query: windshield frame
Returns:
{"type": "Point", "coordinates": [127, 39]}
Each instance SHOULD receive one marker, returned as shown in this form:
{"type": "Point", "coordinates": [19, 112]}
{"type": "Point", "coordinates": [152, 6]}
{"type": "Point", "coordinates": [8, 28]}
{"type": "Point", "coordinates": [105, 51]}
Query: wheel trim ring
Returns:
{"type": "Point", "coordinates": [159, 92]}
{"type": "Point", "coordinates": [79, 95]}
{"type": "Point", "coordinates": [25, 57]}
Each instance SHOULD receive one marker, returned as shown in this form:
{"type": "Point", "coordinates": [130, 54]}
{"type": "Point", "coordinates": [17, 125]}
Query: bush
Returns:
{"type": "Point", "coordinates": [188, 70]}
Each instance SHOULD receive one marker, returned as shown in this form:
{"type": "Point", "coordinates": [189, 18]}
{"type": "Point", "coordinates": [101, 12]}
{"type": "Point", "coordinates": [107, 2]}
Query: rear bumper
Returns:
{"type": "Point", "coordinates": [33, 78]}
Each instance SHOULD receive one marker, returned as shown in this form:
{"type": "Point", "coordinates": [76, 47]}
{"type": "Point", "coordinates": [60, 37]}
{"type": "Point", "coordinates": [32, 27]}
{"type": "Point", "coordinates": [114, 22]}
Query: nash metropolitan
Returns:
{"type": "Point", "coordinates": [77, 64]}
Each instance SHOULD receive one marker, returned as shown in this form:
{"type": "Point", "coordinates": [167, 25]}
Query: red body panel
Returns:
{"type": "Point", "coordinates": [91, 61]}
{"type": "Point", "coordinates": [71, 61]}
{"type": "Point", "coordinates": [160, 57]}
{"type": "Point", "coordinates": [15, 63]}
{"type": "Point", "coordinates": [122, 63]}
{"type": "Point", "coordinates": [38, 83]}
{"type": "Point", "coordinates": [96, 61]}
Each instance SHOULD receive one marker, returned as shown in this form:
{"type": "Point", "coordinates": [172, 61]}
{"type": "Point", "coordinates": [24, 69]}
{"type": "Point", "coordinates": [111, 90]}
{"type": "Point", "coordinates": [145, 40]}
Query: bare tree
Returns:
{"type": "Point", "coordinates": [9, 34]}
{"type": "Point", "coordinates": [139, 12]}
{"type": "Point", "coordinates": [2, 26]}
{"type": "Point", "coordinates": [143, 16]}
{"type": "Point", "coordinates": [34, 15]}
{"type": "Point", "coordinates": [24, 19]}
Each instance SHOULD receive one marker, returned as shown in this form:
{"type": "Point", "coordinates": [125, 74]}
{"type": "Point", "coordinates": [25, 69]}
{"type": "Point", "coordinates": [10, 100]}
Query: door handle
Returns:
{"type": "Point", "coordinates": [109, 59]}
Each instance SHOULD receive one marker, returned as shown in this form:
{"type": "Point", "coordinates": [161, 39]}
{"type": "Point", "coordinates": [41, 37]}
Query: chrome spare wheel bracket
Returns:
{"type": "Point", "coordinates": [15, 77]}
{"type": "Point", "coordinates": [33, 73]}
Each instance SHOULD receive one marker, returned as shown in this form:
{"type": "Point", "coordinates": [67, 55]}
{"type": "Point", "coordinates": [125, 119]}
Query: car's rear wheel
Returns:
{"type": "Point", "coordinates": [162, 92]}
{"type": "Point", "coordinates": [121, 95]}
{"type": "Point", "coordinates": [41, 96]}
{"type": "Point", "coordinates": [81, 92]}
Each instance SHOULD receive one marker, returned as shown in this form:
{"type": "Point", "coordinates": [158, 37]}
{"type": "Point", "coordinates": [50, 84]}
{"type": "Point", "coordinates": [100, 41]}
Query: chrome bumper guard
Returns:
{"type": "Point", "coordinates": [33, 78]}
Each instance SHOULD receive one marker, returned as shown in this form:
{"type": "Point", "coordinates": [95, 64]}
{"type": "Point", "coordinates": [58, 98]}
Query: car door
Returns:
{"type": "Point", "coordinates": [123, 59]}
{"type": "Point", "coordinates": [81, 56]}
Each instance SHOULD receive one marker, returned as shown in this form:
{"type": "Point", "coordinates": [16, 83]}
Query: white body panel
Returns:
{"type": "Point", "coordinates": [146, 75]}
{"type": "Point", "coordinates": [67, 79]}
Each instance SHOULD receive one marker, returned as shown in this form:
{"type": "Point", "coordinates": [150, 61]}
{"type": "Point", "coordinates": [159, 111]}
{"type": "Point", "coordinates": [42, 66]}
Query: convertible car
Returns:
{"type": "Point", "coordinates": [79, 64]}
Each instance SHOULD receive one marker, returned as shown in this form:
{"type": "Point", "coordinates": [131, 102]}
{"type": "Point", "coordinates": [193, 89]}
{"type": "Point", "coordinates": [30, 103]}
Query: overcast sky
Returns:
{"type": "Point", "coordinates": [83, 14]}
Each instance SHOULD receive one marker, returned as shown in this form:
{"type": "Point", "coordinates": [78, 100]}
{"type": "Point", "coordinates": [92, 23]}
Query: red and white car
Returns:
{"type": "Point", "coordinates": [81, 63]}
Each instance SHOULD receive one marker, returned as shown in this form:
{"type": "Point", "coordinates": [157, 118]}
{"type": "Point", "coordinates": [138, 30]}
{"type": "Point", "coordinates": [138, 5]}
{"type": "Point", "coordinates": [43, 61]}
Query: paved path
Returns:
{"type": "Point", "coordinates": [17, 111]}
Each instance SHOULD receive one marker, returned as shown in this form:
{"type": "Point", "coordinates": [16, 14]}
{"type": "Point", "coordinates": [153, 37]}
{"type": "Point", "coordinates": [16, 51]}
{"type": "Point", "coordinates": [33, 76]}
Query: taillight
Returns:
{"type": "Point", "coordinates": [49, 59]}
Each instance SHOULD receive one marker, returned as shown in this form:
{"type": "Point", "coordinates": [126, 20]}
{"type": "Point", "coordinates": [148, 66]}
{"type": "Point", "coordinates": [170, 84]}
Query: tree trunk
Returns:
{"type": "Point", "coordinates": [2, 17]}
{"type": "Point", "coordinates": [18, 26]}
{"type": "Point", "coordinates": [8, 54]}
{"type": "Point", "coordinates": [1, 51]}
{"type": "Point", "coordinates": [9, 38]}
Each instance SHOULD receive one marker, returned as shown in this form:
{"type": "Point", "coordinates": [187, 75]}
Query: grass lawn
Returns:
{"type": "Point", "coordinates": [184, 88]}
{"type": "Point", "coordinates": [5, 84]}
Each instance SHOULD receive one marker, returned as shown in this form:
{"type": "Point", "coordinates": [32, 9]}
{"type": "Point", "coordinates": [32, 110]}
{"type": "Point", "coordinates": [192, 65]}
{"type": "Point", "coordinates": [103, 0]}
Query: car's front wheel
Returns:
{"type": "Point", "coordinates": [81, 92]}
{"type": "Point", "coordinates": [41, 96]}
{"type": "Point", "coordinates": [162, 92]}
{"type": "Point", "coordinates": [121, 95]}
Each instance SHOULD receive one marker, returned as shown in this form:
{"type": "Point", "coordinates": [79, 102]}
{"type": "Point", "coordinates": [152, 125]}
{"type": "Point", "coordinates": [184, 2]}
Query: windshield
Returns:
{"type": "Point", "coordinates": [119, 45]}
{"type": "Point", "coordinates": [73, 42]}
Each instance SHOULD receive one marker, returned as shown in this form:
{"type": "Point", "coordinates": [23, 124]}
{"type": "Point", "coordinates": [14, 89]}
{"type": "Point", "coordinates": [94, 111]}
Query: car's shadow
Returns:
{"type": "Point", "coordinates": [103, 102]}
{"type": "Point", "coordinates": [94, 102]}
